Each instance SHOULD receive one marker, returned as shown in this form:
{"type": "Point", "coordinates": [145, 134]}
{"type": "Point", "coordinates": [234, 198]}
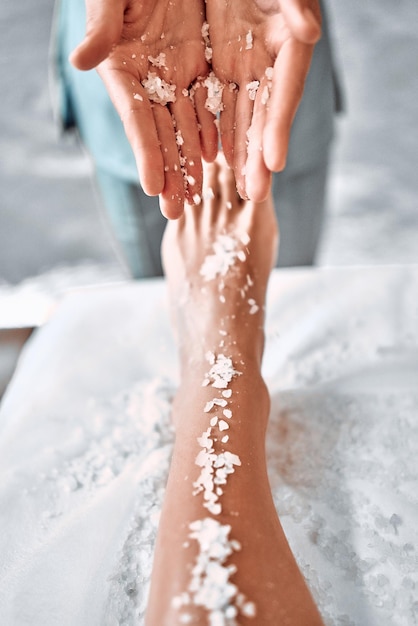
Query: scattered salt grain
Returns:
{"type": "Point", "coordinates": [179, 138]}
{"type": "Point", "coordinates": [225, 253]}
{"type": "Point", "coordinates": [269, 73]}
{"type": "Point", "coordinates": [245, 239]}
{"type": "Point", "coordinates": [227, 393]}
{"type": "Point", "coordinates": [158, 61]}
{"type": "Point", "coordinates": [252, 89]}
{"type": "Point", "coordinates": [241, 255]}
{"type": "Point", "coordinates": [210, 586]}
{"type": "Point", "coordinates": [214, 421]}
{"type": "Point", "coordinates": [221, 372]}
{"type": "Point", "coordinates": [249, 40]}
{"type": "Point", "coordinates": [158, 89]}
{"type": "Point", "coordinates": [225, 439]}
{"type": "Point", "coordinates": [214, 99]}
{"type": "Point", "coordinates": [137, 96]}
{"type": "Point", "coordinates": [227, 413]}
{"type": "Point", "coordinates": [223, 425]}
{"type": "Point", "coordinates": [196, 198]}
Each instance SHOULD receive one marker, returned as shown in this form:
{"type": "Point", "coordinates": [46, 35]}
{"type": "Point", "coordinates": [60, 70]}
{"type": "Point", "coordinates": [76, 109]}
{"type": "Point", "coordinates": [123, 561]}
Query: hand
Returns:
{"type": "Point", "coordinates": [127, 40]}
{"type": "Point", "coordinates": [247, 37]}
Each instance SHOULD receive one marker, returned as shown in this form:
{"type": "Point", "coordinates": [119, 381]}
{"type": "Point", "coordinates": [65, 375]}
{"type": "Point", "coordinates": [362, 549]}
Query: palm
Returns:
{"type": "Point", "coordinates": [163, 39]}
{"type": "Point", "coordinates": [256, 39]}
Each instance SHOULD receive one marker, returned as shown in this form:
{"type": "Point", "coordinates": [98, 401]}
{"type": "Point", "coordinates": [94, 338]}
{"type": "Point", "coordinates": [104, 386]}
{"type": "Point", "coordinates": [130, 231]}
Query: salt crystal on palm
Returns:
{"type": "Point", "coordinates": [227, 413]}
{"type": "Point", "coordinates": [137, 96]}
{"type": "Point", "coordinates": [227, 393]}
{"type": "Point", "coordinates": [252, 89]}
{"type": "Point", "coordinates": [196, 198]}
{"type": "Point", "coordinates": [214, 421]}
{"type": "Point", "coordinates": [249, 40]}
{"type": "Point", "coordinates": [269, 73]}
{"type": "Point", "coordinates": [215, 88]}
{"type": "Point", "coordinates": [158, 89]}
{"type": "Point", "coordinates": [225, 439]}
{"type": "Point", "coordinates": [158, 61]}
{"type": "Point", "coordinates": [223, 425]}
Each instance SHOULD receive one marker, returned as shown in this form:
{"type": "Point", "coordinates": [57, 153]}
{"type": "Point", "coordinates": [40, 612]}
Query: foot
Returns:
{"type": "Point", "coordinates": [206, 300]}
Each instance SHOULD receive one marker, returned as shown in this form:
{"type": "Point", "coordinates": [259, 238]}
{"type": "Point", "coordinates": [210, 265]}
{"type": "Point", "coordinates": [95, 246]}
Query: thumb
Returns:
{"type": "Point", "coordinates": [303, 18]}
{"type": "Point", "coordinates": [104, 22]}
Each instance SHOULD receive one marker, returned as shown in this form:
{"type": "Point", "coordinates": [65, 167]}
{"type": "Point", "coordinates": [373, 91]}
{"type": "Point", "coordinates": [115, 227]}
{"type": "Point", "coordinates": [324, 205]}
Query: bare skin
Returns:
{"type": "Point", "coordinates": [284, 32]}
{"type": "Point", "coordinates": [266, 569]}
{"type": "Point", "coordinates": [255, 134]}
{"type": "Point", "coordinates": [127, 33]}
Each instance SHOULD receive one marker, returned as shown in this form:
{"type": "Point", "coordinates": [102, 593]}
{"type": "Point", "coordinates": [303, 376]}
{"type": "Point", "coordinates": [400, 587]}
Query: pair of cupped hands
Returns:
{"type": "Point", "coordinates": [246, 38]}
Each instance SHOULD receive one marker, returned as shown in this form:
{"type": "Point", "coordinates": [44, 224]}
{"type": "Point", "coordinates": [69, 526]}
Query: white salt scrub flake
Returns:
{"type": "Point", "coordinates": [249, 40]}
{"type": "Point", "coordinates": [222, 372]}
{"type": "Point", "coordinates": [158, 61]}
{"type": "Point", "coordinates": [227, 413]}
{"type": "Point", "coordinates": [215, 88]}
{"type": "Point", "coordinates": [137, 96]}
{"type": "Point", "coordinates": [210, 586]}
{"type": "Point", "coordinates": [196, 198]}
{"type": "Point", "coordinates": [223, 425]}
{"type": "Point", "coordinates": [225, 253]}
{"type": "Point", "coordinates": [214, 421]}
{"type": "Point", "coordinates": [158, 89]}
{"type": "Point", "coordinates": [245, 239]}
{"type": "Point", "coordinates": [252, 89]}
{"type": "Point", "coordinates": [227, 393]}
{"type": "Point", "coordinates": [179, 138]}
{"type": "Point", "coordinates": [269, 73]}
{"type": "Point", "coordinates": [225, 439]}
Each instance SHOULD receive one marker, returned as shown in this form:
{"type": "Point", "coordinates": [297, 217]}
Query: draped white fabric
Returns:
{"type": "Point", "coordinates": [85, 443]}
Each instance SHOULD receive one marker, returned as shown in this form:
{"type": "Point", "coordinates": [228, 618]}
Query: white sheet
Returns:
{"type": "Point", "coordinates": [85, 444]}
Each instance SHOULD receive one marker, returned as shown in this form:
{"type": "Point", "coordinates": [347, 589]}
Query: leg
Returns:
{"type": "Point", "coordinates": [218, 476]}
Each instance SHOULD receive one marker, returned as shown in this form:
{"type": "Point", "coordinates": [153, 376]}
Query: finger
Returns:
{"type": "Point", "coordinates": [289, 74]}
{"type": "Point", "coordinates": [172, 196]}
{"type": "Point", "coordinates": [230, 200]}
{"type": "Point", "coordinates": [243, 115]}
{"type": "Point", "coordinates": [188, 144]}
{"type": "Point", "coordinates": [208, 130]}
{"type": "Point", "coordinates": [227, 121]}
{"type": "Point", "coordinates": [303, 18]}
{"type": "Point", "coordinates": [134, 108]}
{"type": "Point", "coordinates": [104, 22]}
{"type": "Point", "coordinates": [258, 177]}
